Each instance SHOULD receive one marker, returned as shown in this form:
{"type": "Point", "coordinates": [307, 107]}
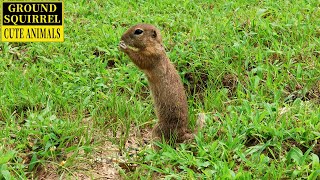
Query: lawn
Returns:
{"type": "Point", "coordinates": [81, 109]}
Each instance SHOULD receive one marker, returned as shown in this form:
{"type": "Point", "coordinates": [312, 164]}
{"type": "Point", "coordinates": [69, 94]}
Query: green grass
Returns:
{"type": "Point", "coordinates": [59, 103]}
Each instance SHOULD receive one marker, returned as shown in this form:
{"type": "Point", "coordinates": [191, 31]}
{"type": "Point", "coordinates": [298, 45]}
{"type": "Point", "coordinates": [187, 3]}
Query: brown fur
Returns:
{"type": "Point", "coordinates": [147, 52]}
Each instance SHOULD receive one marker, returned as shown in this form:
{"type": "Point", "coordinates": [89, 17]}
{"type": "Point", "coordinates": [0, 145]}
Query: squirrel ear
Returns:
{"type": "Point", "coordinates": [154, 34]}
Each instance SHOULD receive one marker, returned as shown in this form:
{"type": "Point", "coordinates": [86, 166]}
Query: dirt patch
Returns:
{"type": "Point", "coordinates": [252, 141]}
{"type": "Point", "coordinates": [101, 165]}
{"type": "Point", "coordinates": [48, 172]}
{"type": "Point", "coordinates": [271, 152]}
{"type": "Point", "coordinates": [17, 50]}
{"type": "Point", "coordinates": [196, 83]}
{"type": "Point", "coordinates": [110, 158]}
{"type": "Point", "coordinates": [295, 90]}
{"type": "Point", "coordinates": [208, 6]}
{"type": "Point", "coordinates": [245, 26]}
{"type": "Point", "coordinates": [316, 148]}
{"type": "Point", "coordinates": [275, 57]}
{"type": "Point", "coordinates": [230, 81]}
{"type": "Point", "coordinates": [111, 64]}
{"type": "Point", "coordinates": [98, 52]}
{"type": "Point", "coordinates": [289, 143]}
{"type": "Point", "coordinates": [314, 92]}
{"type": "Point", "coordinates": [104, 162]}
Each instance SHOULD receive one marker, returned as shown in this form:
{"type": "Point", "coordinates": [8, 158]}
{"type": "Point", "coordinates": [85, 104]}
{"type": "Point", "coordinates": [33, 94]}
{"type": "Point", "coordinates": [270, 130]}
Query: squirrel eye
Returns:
{"type": "Point", "coordinates": [138, 31]}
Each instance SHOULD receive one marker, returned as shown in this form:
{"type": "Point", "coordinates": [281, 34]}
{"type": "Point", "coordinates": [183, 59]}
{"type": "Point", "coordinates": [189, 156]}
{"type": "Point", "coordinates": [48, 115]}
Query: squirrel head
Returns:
{"type": "Point", "coordinates": [143, 44]}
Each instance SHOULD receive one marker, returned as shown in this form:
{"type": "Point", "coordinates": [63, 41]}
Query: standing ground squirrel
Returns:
{"type": "Point", "coordinates": [143, 44]}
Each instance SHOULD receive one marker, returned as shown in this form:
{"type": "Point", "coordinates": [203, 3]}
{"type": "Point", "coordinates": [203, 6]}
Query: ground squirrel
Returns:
{"type": "Point", "coordinates": [143, 44]}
